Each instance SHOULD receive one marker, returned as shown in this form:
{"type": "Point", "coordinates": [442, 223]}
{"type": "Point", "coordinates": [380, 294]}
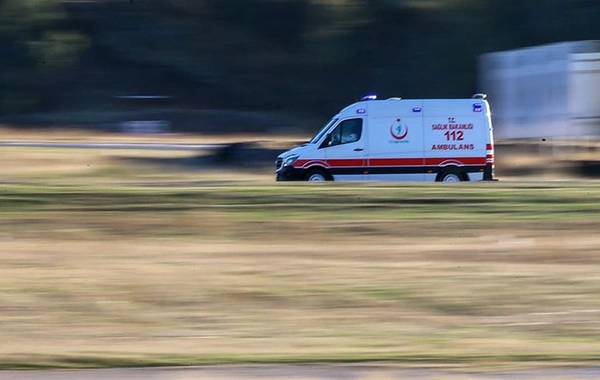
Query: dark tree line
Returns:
{"type": "Point", "coordinates": [310, 56]}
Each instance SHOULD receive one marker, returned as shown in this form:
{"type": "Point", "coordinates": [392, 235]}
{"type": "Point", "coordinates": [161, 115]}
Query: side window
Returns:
{"type": "Point", "coordinates": [348, 131]}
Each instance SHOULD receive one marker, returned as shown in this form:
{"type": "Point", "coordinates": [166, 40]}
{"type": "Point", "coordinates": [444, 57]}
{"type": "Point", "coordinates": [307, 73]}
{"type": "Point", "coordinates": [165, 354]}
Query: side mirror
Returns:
{"type": "Point", "coordinates": [326, 141]}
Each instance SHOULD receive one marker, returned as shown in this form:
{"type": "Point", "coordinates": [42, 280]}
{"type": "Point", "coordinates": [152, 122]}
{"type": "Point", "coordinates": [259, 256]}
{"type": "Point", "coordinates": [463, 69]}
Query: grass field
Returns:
{"type": "Point", "coordinates": [106, 261]}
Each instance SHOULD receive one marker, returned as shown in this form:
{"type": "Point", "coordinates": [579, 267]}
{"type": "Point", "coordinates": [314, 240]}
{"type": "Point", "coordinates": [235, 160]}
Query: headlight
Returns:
{"type": "Point", "coordinates": [289, 161]}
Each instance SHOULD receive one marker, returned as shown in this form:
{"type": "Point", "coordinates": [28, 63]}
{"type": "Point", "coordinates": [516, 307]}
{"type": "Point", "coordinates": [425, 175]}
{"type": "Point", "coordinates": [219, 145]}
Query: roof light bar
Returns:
{"type": "Point", "coordinates": [369, 97]}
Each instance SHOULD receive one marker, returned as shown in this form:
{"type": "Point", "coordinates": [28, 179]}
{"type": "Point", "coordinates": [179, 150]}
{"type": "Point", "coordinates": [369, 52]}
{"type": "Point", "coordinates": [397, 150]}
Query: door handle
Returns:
{"type": "Point", "coordinates": [358, 149]}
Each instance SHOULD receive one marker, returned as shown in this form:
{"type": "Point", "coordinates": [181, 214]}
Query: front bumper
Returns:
{"type": "Point", "coordinates": [289, 173]}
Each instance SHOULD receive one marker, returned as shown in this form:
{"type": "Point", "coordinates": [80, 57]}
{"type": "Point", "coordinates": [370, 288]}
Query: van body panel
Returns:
{"type": "Point", "coordinates": [396, 148]}
{"type": "Point", "coordinates": [456, 135]}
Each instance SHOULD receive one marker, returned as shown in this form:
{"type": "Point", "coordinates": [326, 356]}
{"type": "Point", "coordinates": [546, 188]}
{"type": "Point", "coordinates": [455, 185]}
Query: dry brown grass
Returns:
{"type": "Point", "coordinates": [194, 298]}
{"type": "Point", "coordinates": [153, 283]}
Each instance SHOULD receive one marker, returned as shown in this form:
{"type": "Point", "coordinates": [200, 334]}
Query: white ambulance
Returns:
{"type": "Point", "coordinates": [446, 140]}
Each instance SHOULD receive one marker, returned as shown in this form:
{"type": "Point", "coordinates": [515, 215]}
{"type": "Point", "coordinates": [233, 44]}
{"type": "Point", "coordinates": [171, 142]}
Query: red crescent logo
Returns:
{"type": "Point", "coordinates": [397, 137]}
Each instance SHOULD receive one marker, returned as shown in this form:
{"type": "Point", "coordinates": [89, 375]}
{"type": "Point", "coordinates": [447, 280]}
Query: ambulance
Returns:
{"type": "Point", "coordinates": [443, 140]}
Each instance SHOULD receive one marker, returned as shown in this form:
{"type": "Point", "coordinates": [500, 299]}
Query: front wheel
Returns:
{"type": "Point", "coordinates": [450, 176]}
{"type": "Point", "coordinates": [316, 175]}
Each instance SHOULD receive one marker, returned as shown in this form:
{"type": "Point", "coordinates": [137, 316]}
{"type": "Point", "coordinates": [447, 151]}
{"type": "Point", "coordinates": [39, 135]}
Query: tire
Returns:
{"type": "Point", "coordinates": [317, 175]}
{"type": "Point", "coordinates": [451, 177]}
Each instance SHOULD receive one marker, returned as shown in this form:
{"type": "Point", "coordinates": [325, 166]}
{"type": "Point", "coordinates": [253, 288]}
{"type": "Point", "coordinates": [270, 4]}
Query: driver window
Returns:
{"type": "Point", "coordinates": [348, 131]}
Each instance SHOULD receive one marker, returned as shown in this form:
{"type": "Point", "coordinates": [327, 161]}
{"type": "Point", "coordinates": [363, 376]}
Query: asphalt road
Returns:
{"type": "Point", "coordinates": [298, 372]}
{"type": "Point", "coordinates": [87, 145]}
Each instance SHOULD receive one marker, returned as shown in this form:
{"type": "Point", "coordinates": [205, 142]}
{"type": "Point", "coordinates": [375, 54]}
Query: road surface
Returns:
{"type": "Point", "coordinates": [299, 372]}
{"type": "Point", "coordinates": [106, 145]}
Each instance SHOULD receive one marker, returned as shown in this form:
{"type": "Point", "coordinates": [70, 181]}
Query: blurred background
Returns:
{"type": "Point", "coordinates": [186, 255]}
{"type": "Point", "coordinates": [255, 65]}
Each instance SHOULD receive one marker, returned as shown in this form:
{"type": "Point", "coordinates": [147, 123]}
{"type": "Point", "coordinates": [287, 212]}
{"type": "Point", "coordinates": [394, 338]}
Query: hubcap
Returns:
{"type": "Point", "coordinates": [451, 178]}
{"type": "Point", "coordinates": [316, 178]}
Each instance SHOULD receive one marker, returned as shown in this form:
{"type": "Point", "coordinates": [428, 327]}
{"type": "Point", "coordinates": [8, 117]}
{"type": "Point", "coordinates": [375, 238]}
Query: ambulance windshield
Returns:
{"type": "Point", "coordinates": [323, 131]}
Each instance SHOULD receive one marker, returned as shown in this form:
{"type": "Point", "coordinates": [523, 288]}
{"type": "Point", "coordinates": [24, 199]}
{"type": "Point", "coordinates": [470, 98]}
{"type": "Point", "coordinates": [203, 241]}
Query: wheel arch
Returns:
{"type": "Point", "coordinates": [313, 168]}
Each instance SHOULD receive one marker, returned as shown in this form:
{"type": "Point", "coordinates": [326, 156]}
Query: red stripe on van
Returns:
{"type": "Point", "coordinates": [306, 163]}
{"type": "Point", "coordinates": [396, 162]}
{"type": "Point", "coordinates": [461, 160]}
{"type": "Point", "coordinates": [351, 162]}
{"type": "Point", "coordinates": [391, 162]}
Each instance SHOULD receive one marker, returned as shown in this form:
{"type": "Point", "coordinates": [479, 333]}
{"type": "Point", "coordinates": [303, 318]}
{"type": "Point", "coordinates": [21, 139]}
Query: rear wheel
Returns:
{"type": "Point", "coordinates": [317, 175]}
{"type": "Point", "coordinates": [451, 175]}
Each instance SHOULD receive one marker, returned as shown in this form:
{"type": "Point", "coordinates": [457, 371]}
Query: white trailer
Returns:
{"type": "Point", "coordinates": [544, 91]}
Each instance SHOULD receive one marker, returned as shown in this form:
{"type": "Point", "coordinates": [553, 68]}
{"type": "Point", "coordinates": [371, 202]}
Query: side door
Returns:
{"type": "Point", "coordinates": [344, 149]}
{"type": "Point", "coordinates": [396, 144]}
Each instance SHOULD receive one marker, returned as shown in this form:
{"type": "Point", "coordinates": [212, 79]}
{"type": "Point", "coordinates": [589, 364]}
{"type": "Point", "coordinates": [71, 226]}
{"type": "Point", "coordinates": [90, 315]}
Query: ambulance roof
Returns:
{"type": "Point", "coordinates": [423, 107]}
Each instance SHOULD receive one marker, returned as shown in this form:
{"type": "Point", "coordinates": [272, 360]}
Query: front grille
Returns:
{"type": "Point", "coordinates": [278, 163]}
